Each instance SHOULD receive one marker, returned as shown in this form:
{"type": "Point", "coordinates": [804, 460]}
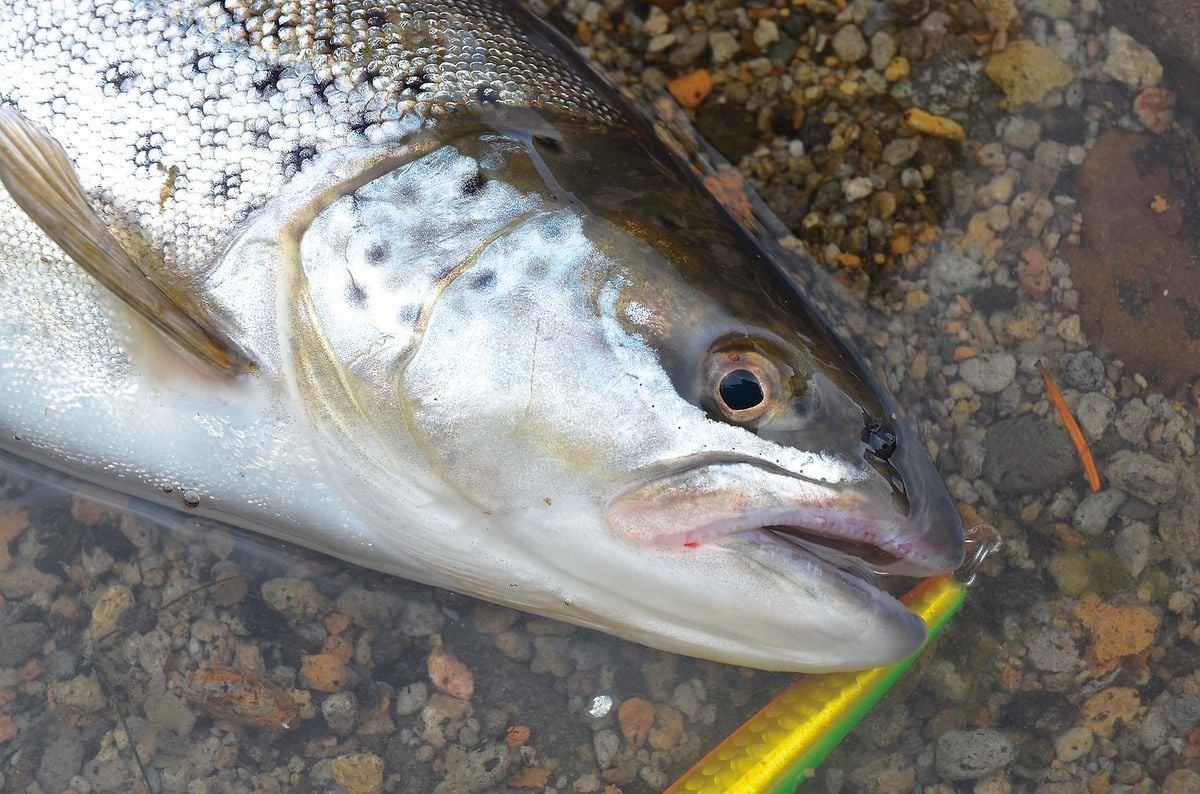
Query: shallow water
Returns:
{"type": "Point", "coordinates": [1061, 230]}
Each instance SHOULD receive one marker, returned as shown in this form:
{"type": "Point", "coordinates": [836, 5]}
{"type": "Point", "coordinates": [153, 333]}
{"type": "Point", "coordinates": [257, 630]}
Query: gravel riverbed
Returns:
{"type": "Point", "coordinates": [994, 183]}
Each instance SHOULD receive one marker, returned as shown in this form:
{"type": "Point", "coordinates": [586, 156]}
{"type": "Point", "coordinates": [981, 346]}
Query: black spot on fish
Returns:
{"type": "Point", "coordinates": [485, 95]}
{"type": "Point", "coordinates": [360, 125]}
{"type": "Point", "coordinates": [320, 86]}
{"type": "Point", "coordinates": [147, 149]}
{"type": "Point", "coordinates": [415, 84]}
{"type": "Point", "coordinates": [228, 185]}
{"type": "Point", "coordinates": [482, 280]}
{"type": "Point", "coordinates": [267, 83]}
{"type": "Point", "coordinates": [553, 230]}
{"type": "Point", "coordinates": [118, 78]}
{"type": "Point", "coordinates": [474, 184]}
{"type": "Point", "coordinates": [200, 62]}
{"type": "Point", "coordinates": [355, 293]}
{"type": "Point", "coordinates": [409, 314]}
{"type": "Point", "coordinates": [377, 252]}
{"type": "Point", "coordinates": [293, 161]}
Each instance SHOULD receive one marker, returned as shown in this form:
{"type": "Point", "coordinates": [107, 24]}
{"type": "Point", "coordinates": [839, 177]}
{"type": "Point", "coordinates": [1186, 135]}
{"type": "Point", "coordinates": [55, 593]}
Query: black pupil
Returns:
{"type": "Point", "coordinates": [880, 439]}
{"type": "Point", "coordinates": [740, 390]}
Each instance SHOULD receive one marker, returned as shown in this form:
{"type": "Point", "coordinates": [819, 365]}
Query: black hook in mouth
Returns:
{"type": "Point", "coordinates": [880, 439]}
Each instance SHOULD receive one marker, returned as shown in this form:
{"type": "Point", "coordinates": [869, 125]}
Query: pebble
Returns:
{"type": "Point", "coordinates": [449, 674]}
{"type": "Point", "coordinates": [1053, 651]}
{"type": "Point", "coordinates": [112, 604]}
{"type": "Point", "coordinates": [1130, 62]}
{"type": "Point", "coordinates": [691, 89]}
{"type": "Point", "coordinates": [61, 761]}
{"type": "Point", "coordinates": [999, 190]}
{"type": "Point", "coordinates": [1092, 515]}
{"type": "Point", "coordinates": [20, 641]}
{"type": "Point", "coordinates": [1143, 475]}
{"type": "Point", "coordinates": [766, 33]}
{"type": "Point", "coordinates": [295, 599]}
{"type": "Point", "coordinates": [1074, 744]}
{"type": "Point", "coordinates": [1095, 413]}
{"type": "Point", "coordinates": [340, 711]}
{"type": "Point", "coordinates": [360, 773]}
{"type": "Point", "coordinates": [323, 672]}
{"type": "Point", "coordinates": [636, 716]}
{"type": "Point", "coordinates": [1183, 713]}
{"type": "Point", "coordinates": [724, 46]}
{"type": "Point", "coordinates": [857, 188]}
{"type": "Point", "coordinates": [1155, 109]}
{"type": "Point", "coordinates": [412, 698]}
{"type": "Point", "coordinates": [952, 274]}
{"type": "Point", "coordinates": [1020, 133]}
{"type": "Point", "coordinates": [849, 44]}
{"type": "Point", "coordinates": [970, 755]}
{"type": "Point", "coordinates": [606, 743]}
{"type": "Point", "coordinates": [552, 655]}
{"type": "Point", "coordinates": [915, 120]}
{"type": "Point", "coordinates": [1084, 371]}
{"type": "Point", "coordinates": [1011, 444]}
{"type": "Point", "coordinates": [688, 697]}
{"type": "Point", "coordinates": [900, 150]}
{"type": "Point", "coordinates": [81, 695]}
{"type": "Point", "coordinates": [1133, 420]}
{"type": "Point", "coordinates": [1027, 72]}
{"type": "Point", "coordinates": [989, 373]}
{"type": "Point", "coordinates": [1133, 547]}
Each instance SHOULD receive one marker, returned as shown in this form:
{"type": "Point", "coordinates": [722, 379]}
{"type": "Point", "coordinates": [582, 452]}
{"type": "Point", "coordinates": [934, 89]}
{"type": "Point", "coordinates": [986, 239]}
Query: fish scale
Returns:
{"type": "Point", "coordinates": [237, 96]}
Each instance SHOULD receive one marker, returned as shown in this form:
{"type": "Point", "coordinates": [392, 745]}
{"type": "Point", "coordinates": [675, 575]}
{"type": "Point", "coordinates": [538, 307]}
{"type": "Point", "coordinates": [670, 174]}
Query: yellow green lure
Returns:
{"type": "Point", "coordinates": [779, 747]}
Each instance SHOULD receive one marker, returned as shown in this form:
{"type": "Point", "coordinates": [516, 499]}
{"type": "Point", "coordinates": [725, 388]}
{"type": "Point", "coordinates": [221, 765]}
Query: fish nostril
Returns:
{"type": "Point", "coordinates": [880, 439]}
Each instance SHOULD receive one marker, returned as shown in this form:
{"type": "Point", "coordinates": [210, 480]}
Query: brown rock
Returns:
{"type": "Point", "coordinates": [244, 698]}
{"type": "Point", "coordinates": [1034, 272]}
{"type": "Point", "coordinates": [1137, 272]}
{"type": "Point", "coordinates": [449, 674]}
{"type": "Point", "coordinates": [322, 672]}
{"type": "Point", "coordinates": [636, 716]}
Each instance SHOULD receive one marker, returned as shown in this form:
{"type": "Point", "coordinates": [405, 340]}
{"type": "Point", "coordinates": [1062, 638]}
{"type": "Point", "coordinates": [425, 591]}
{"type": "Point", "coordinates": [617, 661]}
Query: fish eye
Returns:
{"type": "Point", "coordinates": [744, 385]}
{"type": "Point", "coordinates": [741, 391]}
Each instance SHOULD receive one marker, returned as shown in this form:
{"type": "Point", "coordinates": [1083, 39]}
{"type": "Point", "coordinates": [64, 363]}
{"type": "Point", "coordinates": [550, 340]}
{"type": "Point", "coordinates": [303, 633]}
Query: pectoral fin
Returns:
{"type": "Point", "coordinates": [42, 181]}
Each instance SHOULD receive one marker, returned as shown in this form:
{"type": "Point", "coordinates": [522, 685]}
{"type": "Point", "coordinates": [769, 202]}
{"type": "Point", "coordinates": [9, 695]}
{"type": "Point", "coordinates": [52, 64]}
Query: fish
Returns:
{"type": "Point", "coordinates": [413, 285]}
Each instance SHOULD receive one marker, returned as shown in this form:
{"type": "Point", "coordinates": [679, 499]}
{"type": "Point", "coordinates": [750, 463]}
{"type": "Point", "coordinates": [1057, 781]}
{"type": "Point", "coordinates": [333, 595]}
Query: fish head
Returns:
{"type": "Point", "coordinates": [678, 442]}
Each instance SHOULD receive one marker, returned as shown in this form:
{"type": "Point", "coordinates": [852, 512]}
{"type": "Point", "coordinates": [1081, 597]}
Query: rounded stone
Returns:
{"type": "Point", "coordinates": [969, 755]}
{"type": "Point", "coordinates": [1074, 744]}
{"type": "Point", "coordinates": [1013, 445]}
{"type": "Point", "coordinates": [990, 372]}
{"type": "Point", "coordinates": [849, 44]}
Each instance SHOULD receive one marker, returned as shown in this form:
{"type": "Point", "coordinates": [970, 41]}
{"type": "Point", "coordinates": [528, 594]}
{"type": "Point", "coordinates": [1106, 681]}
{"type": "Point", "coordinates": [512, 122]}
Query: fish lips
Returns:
{"type": "Point", "coordinates": [720, 502]}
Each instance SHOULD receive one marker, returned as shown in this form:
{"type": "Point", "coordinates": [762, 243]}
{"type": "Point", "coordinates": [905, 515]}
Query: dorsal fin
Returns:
{"type": "Point", "coordinates": [42, 181]}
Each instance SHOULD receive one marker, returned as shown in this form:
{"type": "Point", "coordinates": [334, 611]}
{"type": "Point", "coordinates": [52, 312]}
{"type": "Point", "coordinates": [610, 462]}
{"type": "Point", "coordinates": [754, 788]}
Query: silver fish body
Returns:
{"type": "Point", "coordinates": [482, 331]}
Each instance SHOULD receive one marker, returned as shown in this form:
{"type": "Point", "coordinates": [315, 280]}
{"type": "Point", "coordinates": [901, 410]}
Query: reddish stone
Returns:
{"type": "Point", "coordinates": [1137, 270]}
{"type": "Point", "coordinates": [1155, 108]}
{"type": "Point", "coordinates": [1034, 273]}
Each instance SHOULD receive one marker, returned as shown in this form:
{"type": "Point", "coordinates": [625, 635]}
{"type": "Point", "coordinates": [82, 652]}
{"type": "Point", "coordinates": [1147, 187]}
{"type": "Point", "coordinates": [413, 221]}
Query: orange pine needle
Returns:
{"type": "Point", "coordinates": [1085, 454]}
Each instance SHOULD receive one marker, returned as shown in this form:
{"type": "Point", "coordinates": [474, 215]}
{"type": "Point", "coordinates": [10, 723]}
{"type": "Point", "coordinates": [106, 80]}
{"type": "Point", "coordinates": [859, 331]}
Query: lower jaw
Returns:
{"type": "Point", "coordinates": [868, 565]}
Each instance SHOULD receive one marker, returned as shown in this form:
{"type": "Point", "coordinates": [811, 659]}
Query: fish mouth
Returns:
{"type": "Point", "coordinates": [840, 526]}
{"type": "Point", "coordinates": [865, 553]}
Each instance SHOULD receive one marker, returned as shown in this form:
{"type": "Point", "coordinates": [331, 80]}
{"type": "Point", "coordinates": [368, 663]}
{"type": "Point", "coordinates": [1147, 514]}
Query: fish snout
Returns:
{"type": "Point", "coordinates": [932, 529]}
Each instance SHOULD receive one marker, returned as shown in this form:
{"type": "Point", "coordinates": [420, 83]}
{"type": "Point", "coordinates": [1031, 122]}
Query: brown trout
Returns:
{"type": "Point", "coordinates": [410, 284]}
